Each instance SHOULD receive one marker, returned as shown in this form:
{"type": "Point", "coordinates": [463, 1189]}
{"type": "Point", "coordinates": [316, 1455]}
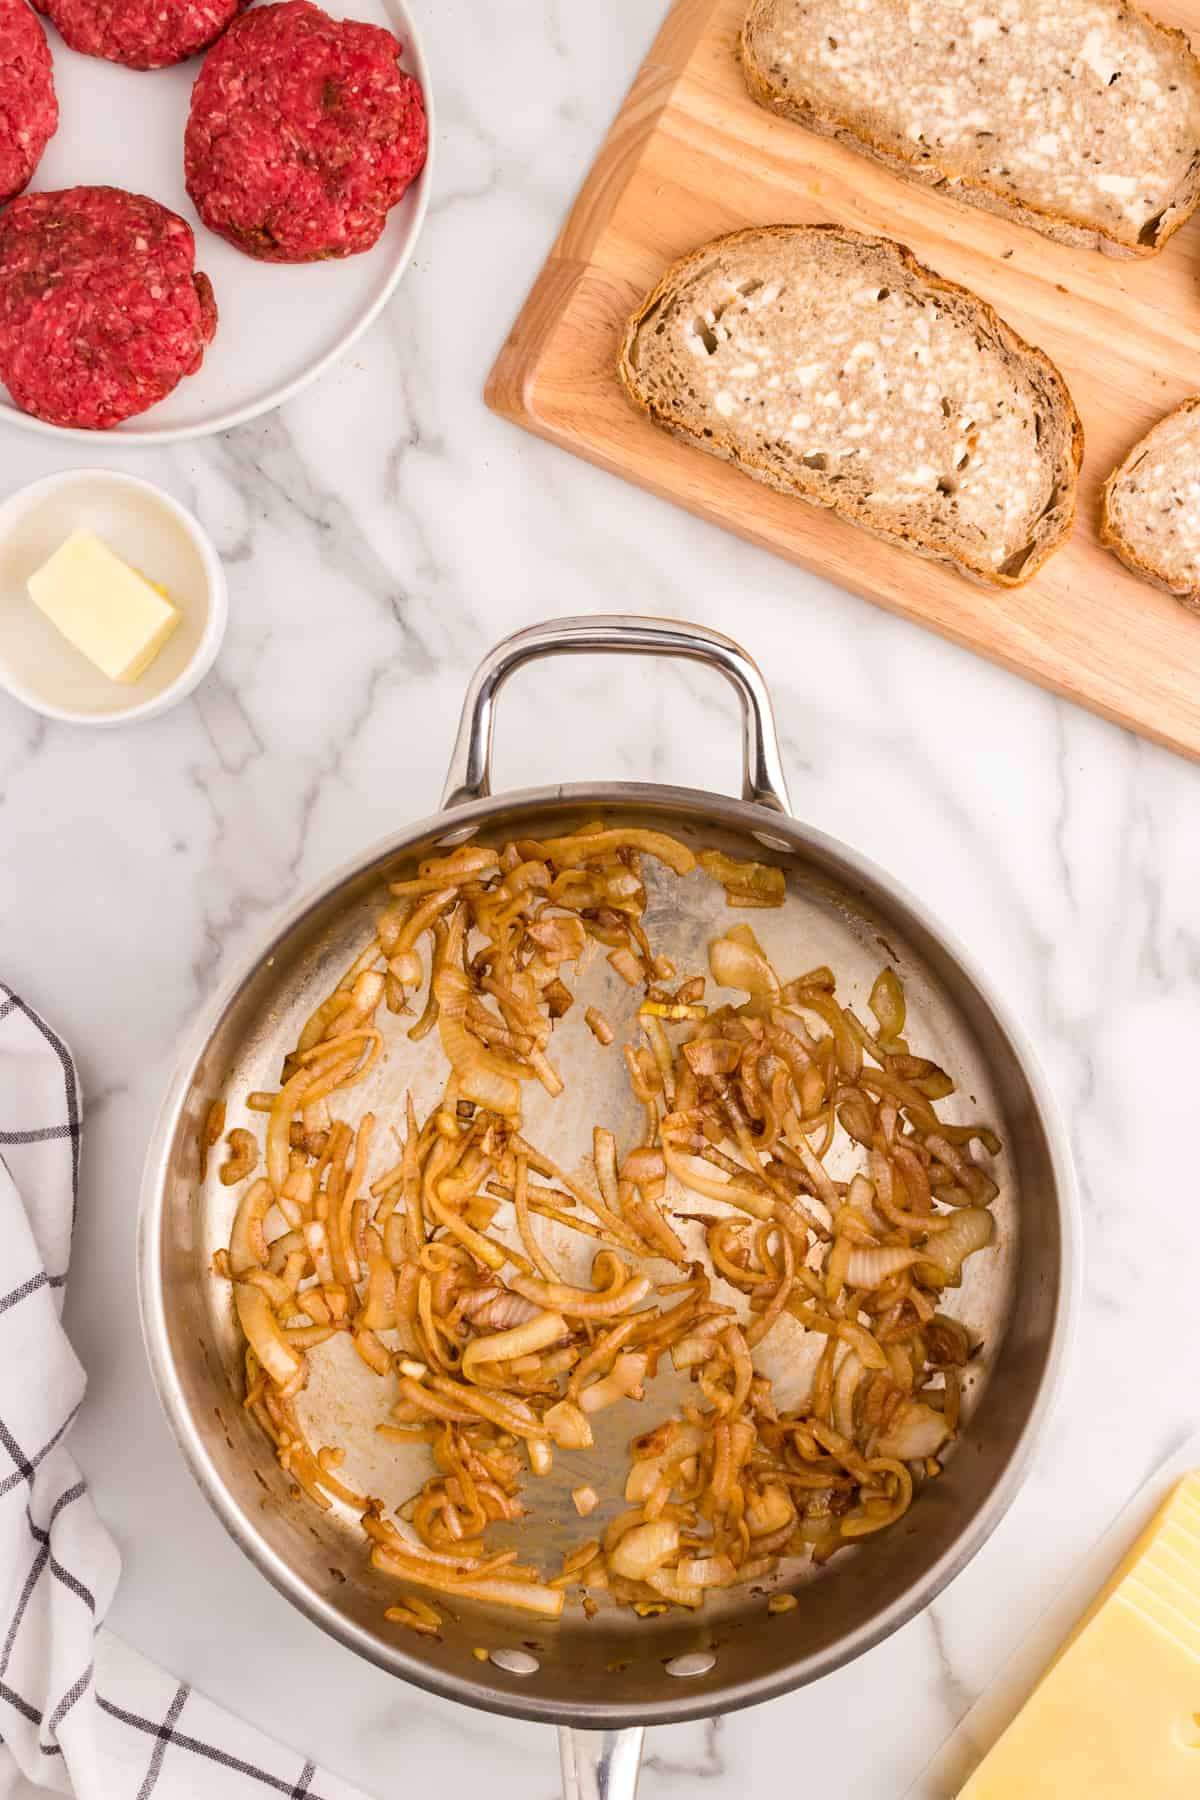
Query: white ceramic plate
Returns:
{"type": "Point", "coordinates": [280, 325]}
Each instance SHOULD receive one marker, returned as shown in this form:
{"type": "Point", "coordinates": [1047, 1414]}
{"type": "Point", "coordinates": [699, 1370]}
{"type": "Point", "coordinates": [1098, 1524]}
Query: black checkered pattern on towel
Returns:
{"type": "Point", "coordinates": [79, 1710]}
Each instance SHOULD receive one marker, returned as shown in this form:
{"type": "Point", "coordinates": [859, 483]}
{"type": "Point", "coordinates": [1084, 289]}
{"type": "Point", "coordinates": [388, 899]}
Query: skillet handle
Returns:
{"type": "Point", "coordinates": [600, 1765]}
{"type": "Point", "coordinates": [469, 776]}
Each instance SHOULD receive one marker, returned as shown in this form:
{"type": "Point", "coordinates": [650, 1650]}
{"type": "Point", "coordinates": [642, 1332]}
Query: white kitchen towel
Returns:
{"type": "Point", "coordinates": [80, 1712]}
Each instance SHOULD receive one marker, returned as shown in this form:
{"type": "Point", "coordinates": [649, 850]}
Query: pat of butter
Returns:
{"type": "Point", "coordinates": [107, 610]}
{"type": "Point", "coordinates": [1118, 1714]}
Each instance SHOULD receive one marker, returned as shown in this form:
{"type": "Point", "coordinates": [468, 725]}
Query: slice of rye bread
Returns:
{"type": "Point", "coordinates": [837, 369]}
{"type": "Point", "coordinates": [1080, 118]}
{"type": "Point", "coordinates": [1150, 508]}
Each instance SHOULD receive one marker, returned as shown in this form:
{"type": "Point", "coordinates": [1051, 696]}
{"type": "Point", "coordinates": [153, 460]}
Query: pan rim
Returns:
{"type": "Point", "coordinates": [710, 1695]}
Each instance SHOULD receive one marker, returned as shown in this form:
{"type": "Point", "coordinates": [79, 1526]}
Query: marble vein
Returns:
{"type": "Point", "coordinates": [379, 533]}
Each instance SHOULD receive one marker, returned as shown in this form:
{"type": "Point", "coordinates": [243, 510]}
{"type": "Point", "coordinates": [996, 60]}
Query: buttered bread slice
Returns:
{"type": "Point", "coordinates": [1078, 117]}
{"type": "Point", "coordinates": [837, 369]}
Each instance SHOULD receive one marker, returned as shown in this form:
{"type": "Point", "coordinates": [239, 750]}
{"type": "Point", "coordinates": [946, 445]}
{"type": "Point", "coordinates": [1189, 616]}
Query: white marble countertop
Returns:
{"type": "Point", "coordinates": [379, 533]}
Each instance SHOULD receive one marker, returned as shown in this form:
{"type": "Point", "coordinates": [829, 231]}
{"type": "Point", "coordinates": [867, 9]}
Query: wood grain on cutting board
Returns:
{"type": "Point", "coordinates": [690, 156]}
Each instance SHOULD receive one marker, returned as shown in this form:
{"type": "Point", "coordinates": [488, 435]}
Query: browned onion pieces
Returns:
{"type": "Point", "coordinates": [745, 883]}
{"type": "Point", "coordinates": [495, 1363]}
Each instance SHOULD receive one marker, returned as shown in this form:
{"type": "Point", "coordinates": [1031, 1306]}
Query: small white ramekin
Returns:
{"type": "Point", "coordinates": [153, 533]}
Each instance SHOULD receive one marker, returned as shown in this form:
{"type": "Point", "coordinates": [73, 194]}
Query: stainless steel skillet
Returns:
{"type": "Point", "coordinates": [609, 1676]}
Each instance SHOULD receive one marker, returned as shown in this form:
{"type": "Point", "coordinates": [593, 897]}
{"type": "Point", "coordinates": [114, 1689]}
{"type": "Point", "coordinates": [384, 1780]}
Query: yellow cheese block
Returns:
{"type": "Point", "coordinates": [1177, 1522]}
{"type": "Point", "coordinates": [108, 611]}
{"type": "Point", "coordinates": [1117, 1717]}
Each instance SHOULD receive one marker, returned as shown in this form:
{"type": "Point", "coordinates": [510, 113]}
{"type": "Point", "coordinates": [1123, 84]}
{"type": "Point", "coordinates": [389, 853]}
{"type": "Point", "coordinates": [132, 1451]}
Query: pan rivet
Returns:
{"type": "Point", "coordinates": [769, 841]}
{"type": "Point", "coordinates": [457, 837]}
{"type": "Point", "coordinates": [515, 1662]}
{"type": "Point", "coordinates": [699, 1662]}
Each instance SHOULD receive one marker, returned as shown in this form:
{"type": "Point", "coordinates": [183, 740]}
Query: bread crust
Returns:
{"type": "Point", "coordinates": [1111, 535]}
{"type": "Point", "coordinates": [1055, 525]}
{"type": "Point", "coordinates": [1081, 234]}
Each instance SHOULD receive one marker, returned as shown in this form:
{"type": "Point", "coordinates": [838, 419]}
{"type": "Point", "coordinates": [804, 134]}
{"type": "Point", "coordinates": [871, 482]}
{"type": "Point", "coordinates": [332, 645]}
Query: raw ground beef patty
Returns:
{"type": "Point", "coordinates": [142, 34]}
{"type": "Point", "coordinates": [101, 309]}
{"type": "Point", "coordinates": [28, 108]}
{"type": "Point", "coordinates": [303, 132]}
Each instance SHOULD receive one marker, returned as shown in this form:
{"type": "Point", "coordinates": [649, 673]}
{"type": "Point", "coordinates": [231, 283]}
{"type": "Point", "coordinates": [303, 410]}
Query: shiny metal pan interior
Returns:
{"type": "Point", "coordinates": [612, 1668]}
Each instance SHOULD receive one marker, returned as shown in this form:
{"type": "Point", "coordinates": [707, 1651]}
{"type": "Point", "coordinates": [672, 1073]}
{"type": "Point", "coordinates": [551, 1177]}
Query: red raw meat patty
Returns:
{"type": "Point", "coordinates": [102, 311]}
{"type": "Point", "coordinates": [303, 132]}
{"type": "Point", "coordinates": [142, 34]}
{"type": "Point", "coordinates": [28, 109]}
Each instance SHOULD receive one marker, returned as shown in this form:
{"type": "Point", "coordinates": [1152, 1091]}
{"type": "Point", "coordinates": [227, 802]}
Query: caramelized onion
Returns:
{"type": "Point", "coordinates": [887, 1003]}
{"type": "Point", "coordinates": [525, 1596]}
{"type": "Point", "coordinates": [625, 1378]}
{"type": "Point", "coordinates": [578, 1303]}
{"type": "Point", "coordinates": [646, 1548]}
{"type": "Point", "coordinates": [568, 1426]}
{"type": "Point", "coordinates": [845, 1203]}
{"type": "Point", "coordinates": [943, 1256]}
{"type": "Point", "coordinates": [247, 1240]}
{"type": "Point", "coordinates": [915, 1431]}
{"type": "Point", "coordinates": [598, 1025]}
{"type": "Point", "coordinates": [257, 1319]}
{"type": "Point", "coordinates": [243, 1155]}
{"type": "Point", "coordinates": [871, 1267]}
{"type": "Point", "coordinates": [733, 1193]}
{"type": "Point", "coordinates": [589, 844]}
{"type": "Point", "coordinates": [522, 1340]}
{"type": "Point", "coordinates": [736, 964]}
{"type": "Point", "coordinates": [745, 883]}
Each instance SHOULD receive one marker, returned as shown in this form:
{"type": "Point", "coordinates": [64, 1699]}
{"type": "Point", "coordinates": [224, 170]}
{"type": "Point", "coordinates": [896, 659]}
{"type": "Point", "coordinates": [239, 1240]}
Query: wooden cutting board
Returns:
{"type": "Point", "coordinates": [691, 156]}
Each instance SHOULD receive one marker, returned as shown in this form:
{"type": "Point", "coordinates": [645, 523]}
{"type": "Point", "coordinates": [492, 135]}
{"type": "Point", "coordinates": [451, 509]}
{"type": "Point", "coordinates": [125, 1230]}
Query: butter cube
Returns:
{"type": "Point", "coordinates": [107, 610]}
